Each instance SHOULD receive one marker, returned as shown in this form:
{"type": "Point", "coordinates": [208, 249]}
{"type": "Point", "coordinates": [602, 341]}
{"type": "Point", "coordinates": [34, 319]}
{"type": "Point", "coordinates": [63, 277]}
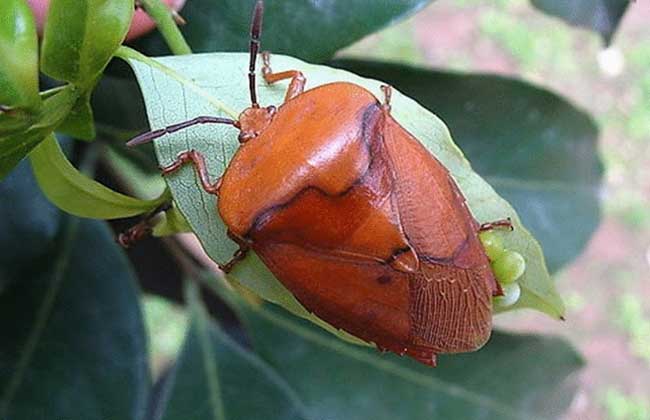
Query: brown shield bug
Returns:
{"type": "Point", "coordinates": [353, 215]}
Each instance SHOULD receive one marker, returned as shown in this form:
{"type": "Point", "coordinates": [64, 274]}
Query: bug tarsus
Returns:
{"type": "Point", "coordinates": [142, 229]}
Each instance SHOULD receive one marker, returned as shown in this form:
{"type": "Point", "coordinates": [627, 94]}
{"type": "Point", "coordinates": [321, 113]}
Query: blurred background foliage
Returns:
{"type": "Point", "coordinates": [608, 318]}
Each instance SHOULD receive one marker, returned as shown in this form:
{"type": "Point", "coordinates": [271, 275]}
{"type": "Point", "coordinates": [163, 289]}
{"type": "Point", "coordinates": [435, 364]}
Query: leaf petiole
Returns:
{"type": "Point", "coordinates": [163, 17]}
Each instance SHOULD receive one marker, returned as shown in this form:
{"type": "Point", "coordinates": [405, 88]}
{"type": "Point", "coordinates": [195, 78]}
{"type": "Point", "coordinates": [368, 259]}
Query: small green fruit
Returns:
{"type": "Point", "coordinates": [492, 244]}
{"type": "Point", "coordinates": [509, 267]}
{"type": "Point", "coordinates": [511, 294]}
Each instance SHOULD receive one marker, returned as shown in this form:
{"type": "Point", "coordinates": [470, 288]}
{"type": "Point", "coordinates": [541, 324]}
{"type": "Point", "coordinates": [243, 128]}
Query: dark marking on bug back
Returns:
{"type": "Point", "coordinates": [383, 280]}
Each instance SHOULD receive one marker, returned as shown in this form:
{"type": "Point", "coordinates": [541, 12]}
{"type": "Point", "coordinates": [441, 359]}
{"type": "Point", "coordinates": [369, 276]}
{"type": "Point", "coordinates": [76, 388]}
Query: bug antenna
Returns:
{"type": "Point", "coordinates": [152, 135]}
{"type": "Point", "coordinates": [256, 30]}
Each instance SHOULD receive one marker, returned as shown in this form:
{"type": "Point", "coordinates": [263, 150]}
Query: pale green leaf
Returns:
{"type": "Point", "coordinates": [196, 85]}
{"type": "Point", "coordinates": [76, 193]}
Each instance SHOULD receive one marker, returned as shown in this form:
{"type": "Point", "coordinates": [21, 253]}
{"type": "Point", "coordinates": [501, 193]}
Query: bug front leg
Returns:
{"type": "Point", "coordinates": [298, 80]}
{"type": "Point", "coordinates": [197, 160]}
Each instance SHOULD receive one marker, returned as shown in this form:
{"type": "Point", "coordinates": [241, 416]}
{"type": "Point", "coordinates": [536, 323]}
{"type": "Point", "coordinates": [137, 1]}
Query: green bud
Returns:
{"type": "Point", "coordinates": [492, 244]}
{"type": "Point", "coordinates": [509, 267]}
{"type": "Point", "coordinates": [511, 294]}
{"type": "Point", "coordinates": [19, 52]}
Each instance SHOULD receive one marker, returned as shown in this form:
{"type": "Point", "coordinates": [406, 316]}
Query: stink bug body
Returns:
{"type": "Point", "coordinates": [353, 215]}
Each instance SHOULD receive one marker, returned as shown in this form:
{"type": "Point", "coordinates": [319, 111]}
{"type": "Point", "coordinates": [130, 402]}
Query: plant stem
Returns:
{"type": "Point", "coordinates": [161, 14]}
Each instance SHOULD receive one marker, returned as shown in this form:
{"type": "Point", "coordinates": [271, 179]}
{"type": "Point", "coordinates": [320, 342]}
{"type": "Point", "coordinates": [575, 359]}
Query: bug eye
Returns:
{"type": "Point", "coordinates": [272, 109]}
{"type": "Point", "coordinates": [244, 136]}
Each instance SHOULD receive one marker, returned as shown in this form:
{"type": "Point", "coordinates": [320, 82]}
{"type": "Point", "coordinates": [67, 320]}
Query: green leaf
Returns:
{"type": "Point", "coordinates": [80, 38]}
{"type": "Point", "coordinates": [16, 141]}
{"type": "Point", "coordinates": [29, 225]}
{"type": "Point", "coordinates": [602, 16]}
{"type": "Point", "coordinates": [80, 123]}
{"type": "Point", "coordinates": [216, 378]}
{"type": "Point", "coordinates": [174, 222]}
{"type": "Point", "coordinates": [19, 52]}
{"type": "Point", "coordinates": [537, 150]}
{"type": "Point", "coordinates": [307, 29]}
{"type": "Point", "coordinates": [170, 100]}
{"type": "Point", "coordinates": [76, 193]}
{"type": "Point", "coordinates": [512, 377]}
{"type": "Point", "coordinates": [73, 341]}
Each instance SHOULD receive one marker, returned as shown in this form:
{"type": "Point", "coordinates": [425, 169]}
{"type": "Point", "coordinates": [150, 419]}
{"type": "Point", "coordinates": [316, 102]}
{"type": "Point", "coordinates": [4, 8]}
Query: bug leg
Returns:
{"type": "Point", "coordinates": [298, 80]}
{"type": "Point", "coordinates": [239, 255]}
{"type": "Point", "coordinates": [197, 160]}
{"type": "Point", "coordinates": [503, 223]}
{"type": "Point", "coordinates": [143, 229]}
{"type": "Point", "coordinates": [388, 93]}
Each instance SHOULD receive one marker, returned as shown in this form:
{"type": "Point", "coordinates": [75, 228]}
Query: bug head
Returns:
{"type": "Point", "coordinates": [251, 122]}
{"type": "Point", "coordinates": [254, 120]}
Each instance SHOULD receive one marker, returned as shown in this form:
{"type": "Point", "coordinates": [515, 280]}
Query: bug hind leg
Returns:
{"type": "Point", "coordinates": [298, 80]}
{"type": "Point", "coordinates": [497, 224]}
{"type": "Point", "coordinates": [143, 229]}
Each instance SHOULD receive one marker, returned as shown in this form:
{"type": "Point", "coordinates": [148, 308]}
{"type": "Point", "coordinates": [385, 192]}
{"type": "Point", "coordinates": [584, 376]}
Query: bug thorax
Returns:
{"type": "Point", "coordinates": [254, 120]}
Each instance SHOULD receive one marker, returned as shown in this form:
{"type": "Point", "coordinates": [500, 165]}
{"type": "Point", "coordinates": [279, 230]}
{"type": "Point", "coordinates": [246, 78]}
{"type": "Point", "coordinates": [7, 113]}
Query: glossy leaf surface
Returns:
{"type": "Point", "coordinates": [73, 339]}
{"type": "Point", "coordinates": [29, 225]}
{"type": "Point", "coordinates": [216, 378]}
{"type": "Point", "coordinates": [512, 377]}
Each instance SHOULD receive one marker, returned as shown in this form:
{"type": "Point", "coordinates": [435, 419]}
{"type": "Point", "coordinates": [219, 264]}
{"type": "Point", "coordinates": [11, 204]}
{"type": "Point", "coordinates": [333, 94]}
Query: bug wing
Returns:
{"type": "Point", "coordinates": [367, 299]}
{"type": "Point", "coordinates": [450, 309]}
{"type": "Point", "coordinates": [451, 294]}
